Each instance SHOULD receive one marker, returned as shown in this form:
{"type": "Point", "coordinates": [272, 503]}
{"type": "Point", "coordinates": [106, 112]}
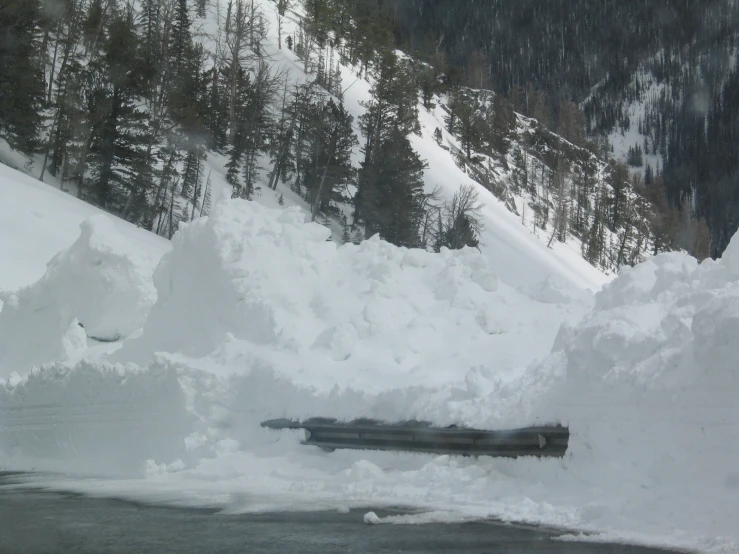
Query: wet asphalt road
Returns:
{"type": "Point", "coordinates": [37, 521]}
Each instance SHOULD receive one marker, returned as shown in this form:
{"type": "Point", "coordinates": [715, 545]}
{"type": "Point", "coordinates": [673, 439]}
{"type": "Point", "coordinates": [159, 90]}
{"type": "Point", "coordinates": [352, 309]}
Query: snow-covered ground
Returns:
{"type": "Point", "coordinates": [257, 316]}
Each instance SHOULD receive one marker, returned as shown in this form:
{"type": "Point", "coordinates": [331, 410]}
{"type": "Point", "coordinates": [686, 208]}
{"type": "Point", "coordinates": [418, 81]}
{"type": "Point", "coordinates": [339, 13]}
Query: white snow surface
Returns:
{"type": "Point", "coordinates": [258, 316]}
{"type": "Point", "coordinates": [270, 289]}
{"type": "Point", "coordinates": [37, 221]}
{"type": "Point", "coordinates": [101, 282]}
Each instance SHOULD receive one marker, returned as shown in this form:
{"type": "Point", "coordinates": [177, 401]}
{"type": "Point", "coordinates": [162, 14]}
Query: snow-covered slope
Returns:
{"type": "Point", "coordinates": [505, 242]}
{"type": "Point", "coordinates": [37, 221]}
{"type": "Point", "coordinates": [519, 258]}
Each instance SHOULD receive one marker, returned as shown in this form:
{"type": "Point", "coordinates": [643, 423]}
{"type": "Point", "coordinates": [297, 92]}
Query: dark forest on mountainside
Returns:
{"type": "Point", "coordinates": [123, 102]}
{"type": "Point", "coordinates": [602, 55]}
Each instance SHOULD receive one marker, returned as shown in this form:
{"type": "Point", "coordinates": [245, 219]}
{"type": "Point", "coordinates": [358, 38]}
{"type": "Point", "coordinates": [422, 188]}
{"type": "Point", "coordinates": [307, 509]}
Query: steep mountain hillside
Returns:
{"type": "Point", "coordinates": [655, 78]}
{"type": "Point", "coordinates": [149, 110]}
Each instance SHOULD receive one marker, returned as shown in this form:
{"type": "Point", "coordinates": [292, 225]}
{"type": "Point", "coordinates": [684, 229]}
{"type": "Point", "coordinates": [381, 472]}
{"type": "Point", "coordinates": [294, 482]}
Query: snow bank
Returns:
{"type": "Point", "coordinates": [372, 316]}
{"type": "Point", "coordinates": [100, 281]}
{"type": "Point", "coordinates": [655, 366]}
{"type": "Point", "coordinates": [648, 383]}
{"type": "Point", "coordinates": [95, 417]}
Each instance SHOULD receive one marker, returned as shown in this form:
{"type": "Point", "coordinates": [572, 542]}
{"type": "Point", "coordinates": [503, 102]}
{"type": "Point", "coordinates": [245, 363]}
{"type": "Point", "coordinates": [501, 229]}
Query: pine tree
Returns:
{"type": "Point", "coordinates": [330, 163]}
{"type": "Point", "coordinates": [465, 120]}
{"type": "Point", "coordinates": [390, 196]}
{"type": "Point", "coordinates": [238, 133]}
{"type": "Point", "coordinates": [503, 124]}
{"type": "Point", "coordinates": [117, 143]}
{"type": "Point", "coordinates": [561, 201]}
{"type": "Point", "coordinates": [21, 74]}
{"type": "Point", "coordinates": [65, 93]}
{"type": "Point", "coordinates": [634, 156]}
{"type": "Point", "coordinates": [206, 204]}
{"type": "Point", "coordinates": [520, 173]}
{"type": "Point", "coordinates": [595, 245]}
{"type": "Point", "coordinates": [256, 122]}
{"type": "Point", "coordinates": [619, 197]}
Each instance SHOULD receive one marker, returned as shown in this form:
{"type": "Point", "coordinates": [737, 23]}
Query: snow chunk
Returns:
{"type": "Point", "coordinates": [371, 518]}
{"type": "Point", "coordinates": [101, 281]}
{"type": "Point", "coordinates": [364, 470]}
{"type": "Point", "coordinates": [74, 341]}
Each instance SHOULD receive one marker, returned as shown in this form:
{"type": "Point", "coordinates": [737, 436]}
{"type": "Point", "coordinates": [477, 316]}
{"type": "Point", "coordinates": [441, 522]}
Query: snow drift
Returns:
{"type": "Point", "coordinates": [101, 282]}
{"type": "Point", "coordinates": [648, 384]}
{"type": "Point", "coordinates": [370, 316]}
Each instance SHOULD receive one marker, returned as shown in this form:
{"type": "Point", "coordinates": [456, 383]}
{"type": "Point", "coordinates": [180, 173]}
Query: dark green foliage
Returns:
{"type": "Point", "coordinates": [328, 163]}
{"type": "Point", "coordinates": [620, 184]}
{"type": "Point", "coordinates": [390, 196]}
{"type": "Point", "coordinates": [466, 120]}
{"type": "Point", "coordinates": [21, 73]}
{"type": "Point", "coordinates": [390, 201]}
{"type": "Point", "coordinates": [254, 124]}
{"type": "Point", "coordinates": [116, 147]}
{"type": "Point", "coordinates": [634, 156]}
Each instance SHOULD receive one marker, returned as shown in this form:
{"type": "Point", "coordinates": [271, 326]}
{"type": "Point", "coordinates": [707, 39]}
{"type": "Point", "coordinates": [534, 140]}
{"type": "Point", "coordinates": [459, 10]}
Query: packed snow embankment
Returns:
{"type": "Point", "coordinates": [648, 384]}
{"type": "Point", "coordinates": [254, 282]}
{"type": "Point", "coordinates": [101, 281]}
{"type": "Point", "coordinates": [259, 316]}
{"type": "Point", "coordinates": [94, 418]}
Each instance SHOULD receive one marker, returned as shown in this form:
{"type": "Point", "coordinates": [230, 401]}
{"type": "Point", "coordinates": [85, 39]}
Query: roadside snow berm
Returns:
{"type": "Point", "coordinates": [420, 436]}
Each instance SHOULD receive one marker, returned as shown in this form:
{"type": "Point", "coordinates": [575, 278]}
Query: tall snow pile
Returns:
{"type": "Point", "coordinates": [371, 316]}
{"type": "Point", "coordinates": [100, 282]}
{"type": "Point", "coordinates": [259, 315]}
{"type": "Point", "coordinates": [649, 385]}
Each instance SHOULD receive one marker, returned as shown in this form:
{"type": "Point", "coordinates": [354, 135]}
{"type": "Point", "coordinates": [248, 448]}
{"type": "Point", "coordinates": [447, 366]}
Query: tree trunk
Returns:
{"type": "Point", "coordinates": [317, 199]}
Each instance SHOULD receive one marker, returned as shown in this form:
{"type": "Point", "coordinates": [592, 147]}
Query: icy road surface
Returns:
{"type": "Point", "coordinates": [74, 523]}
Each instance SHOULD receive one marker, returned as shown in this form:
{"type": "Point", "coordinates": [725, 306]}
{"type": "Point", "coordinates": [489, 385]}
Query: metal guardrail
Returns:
{"type": "Point", "coordinates": [420, 436]}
